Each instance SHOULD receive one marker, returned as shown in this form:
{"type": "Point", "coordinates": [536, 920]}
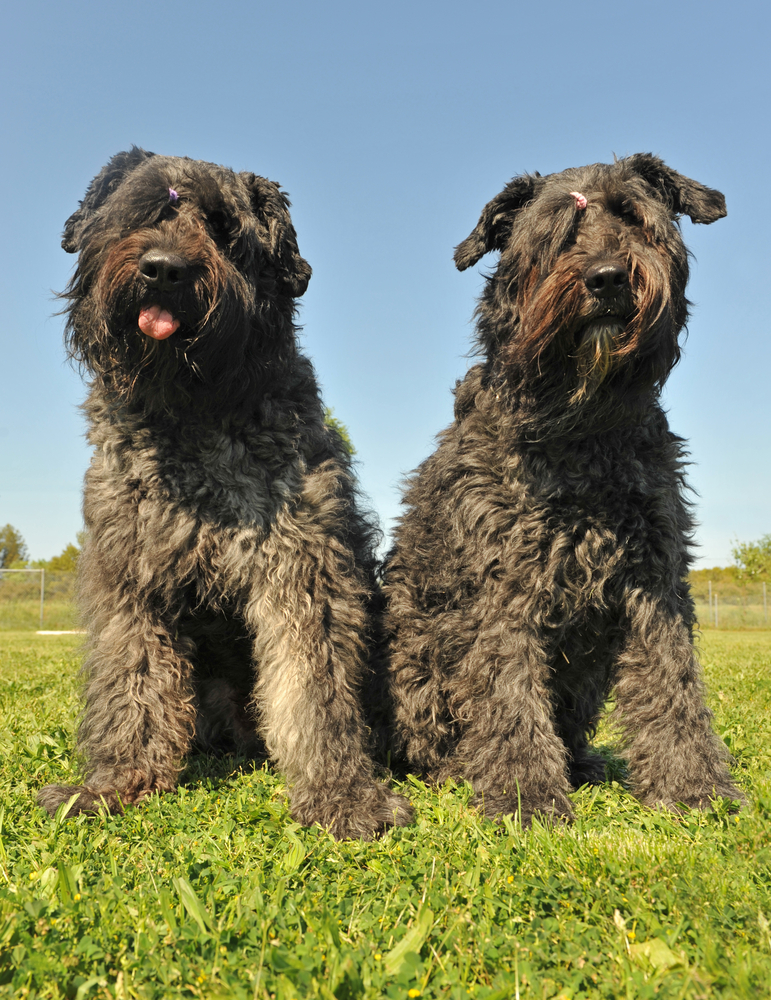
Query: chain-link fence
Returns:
{"type": "Point", "coordinates": [730, 605]}
{"type": "Point", "coordinates": [37, 599]}
{"type": "Point", "coordinates": [44, 599]}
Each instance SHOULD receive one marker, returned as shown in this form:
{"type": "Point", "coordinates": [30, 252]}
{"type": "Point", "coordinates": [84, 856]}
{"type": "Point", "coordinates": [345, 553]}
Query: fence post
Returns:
{"type": "Point", "coordinates": [716, 618]}
{"type": "Point", "coordinates": [42, 595]}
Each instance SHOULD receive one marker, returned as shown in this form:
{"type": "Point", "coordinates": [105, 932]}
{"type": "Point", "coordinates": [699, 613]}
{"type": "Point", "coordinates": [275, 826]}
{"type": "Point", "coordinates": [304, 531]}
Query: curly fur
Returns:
{"type": "Point", "coordinates": [542, 558]}
{"type": "Point", "coordinates": [227, 574]}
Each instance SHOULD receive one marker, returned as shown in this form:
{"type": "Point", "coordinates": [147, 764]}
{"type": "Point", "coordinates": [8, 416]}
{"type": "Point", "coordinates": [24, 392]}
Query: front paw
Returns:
{"type": "Point", "coordinates": [703, 800]}
{"type": "Point", "coordinates": [362, 814]}
{"type": "Point", "coordinates": [554, 810]}
{"type": "Point", "coordinates": [87, 801]}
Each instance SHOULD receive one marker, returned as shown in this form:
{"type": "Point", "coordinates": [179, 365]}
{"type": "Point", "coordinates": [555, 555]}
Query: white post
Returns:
{"type": "Point", "coordinates": [716, 620]}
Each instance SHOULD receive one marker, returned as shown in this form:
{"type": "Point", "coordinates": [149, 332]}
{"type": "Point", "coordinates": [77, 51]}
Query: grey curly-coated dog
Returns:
{"type": "Point", "coordinates": [542, 559]}
{"type": "Point", "coordinates": [227, 574]}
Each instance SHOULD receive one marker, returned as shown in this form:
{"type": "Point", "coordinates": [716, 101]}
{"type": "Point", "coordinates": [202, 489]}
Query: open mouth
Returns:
{"type": "Point", "coordinates": [156, 322]}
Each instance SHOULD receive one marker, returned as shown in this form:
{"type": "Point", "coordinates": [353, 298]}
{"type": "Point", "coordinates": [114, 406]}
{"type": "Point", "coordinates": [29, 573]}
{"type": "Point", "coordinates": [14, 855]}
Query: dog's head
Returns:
{"type": "Point", "coordinates": [590, 286]}
{"type": "Point", "coordinates": [186, 277]}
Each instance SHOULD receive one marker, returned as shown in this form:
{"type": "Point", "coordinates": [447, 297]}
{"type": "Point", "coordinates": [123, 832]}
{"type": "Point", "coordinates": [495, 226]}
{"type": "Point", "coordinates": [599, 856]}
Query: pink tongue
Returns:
{"type": "Point", "coordinates": [157, 323]}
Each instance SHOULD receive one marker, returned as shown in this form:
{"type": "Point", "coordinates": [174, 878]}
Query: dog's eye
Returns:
{"type": "Point", "coordinates": [166, 212]}
{"type": "Point", "coordinates": [220, 224]}
{"type": "Point", "coordinates": [629, 213]}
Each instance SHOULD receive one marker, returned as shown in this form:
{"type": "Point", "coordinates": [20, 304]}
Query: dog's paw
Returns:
{"type": "Point", "coordinates": [364, 813]}
{"type": "Point", "coordinates": [587, 769]}
{"type": "Point", "coordinates": [703, 800]}
{"type": "Point", "coordinates": [553, 811]}
{"type": "Point", "coordinates": [85, 800]}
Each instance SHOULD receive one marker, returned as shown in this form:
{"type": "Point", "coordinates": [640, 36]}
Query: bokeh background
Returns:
{"type": "Point", "coordinates": [390, 125]}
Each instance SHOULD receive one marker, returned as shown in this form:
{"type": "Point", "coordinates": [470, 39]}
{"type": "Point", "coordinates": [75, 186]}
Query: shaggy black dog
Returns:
{"type": "Point", "coordinates": [542, 559]}
{"type": "Point", "coordinates": [227, 574]}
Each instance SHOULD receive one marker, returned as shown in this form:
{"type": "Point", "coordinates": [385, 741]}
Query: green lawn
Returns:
{"type": "Point", "coordinates": [215, 892]}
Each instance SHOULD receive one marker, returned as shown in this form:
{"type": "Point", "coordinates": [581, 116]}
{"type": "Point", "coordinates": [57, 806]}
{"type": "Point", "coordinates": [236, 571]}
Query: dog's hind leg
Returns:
{"type": "Point", "coordinates": [579, 690]}
{"type": "Point", "coordinates": [139, 716]}
{"type": "Point", "coordinates": [674, 755]}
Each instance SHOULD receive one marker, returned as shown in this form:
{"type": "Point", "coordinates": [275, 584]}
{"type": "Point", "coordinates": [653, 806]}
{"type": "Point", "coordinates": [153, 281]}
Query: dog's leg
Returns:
{"type": "Point", "coordinates": [674, 755]}
{"type": "Point", "coordinates": [585, 766]}
{"type": "Point", "coordinates": [510, 750]}
{"type": "Point", "coordinates": [308, 620]}
{"type": "Point", "coordinates": [311, 718]}
{"type": "Point", "coordinates": [580, 688]}
{"type": "Point", "coordinates": [138, 720]}
{"type": "Point", "coordinates": [424, 732]}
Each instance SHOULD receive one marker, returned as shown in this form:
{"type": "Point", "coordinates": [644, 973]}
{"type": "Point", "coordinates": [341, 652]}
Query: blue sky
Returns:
{"type": "Point", "coordinates": [390, 125]}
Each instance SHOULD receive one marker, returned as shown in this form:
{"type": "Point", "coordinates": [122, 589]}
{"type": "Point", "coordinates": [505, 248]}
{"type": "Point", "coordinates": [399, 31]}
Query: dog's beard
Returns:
{"type": "Point", "coordinates": [595, 355]}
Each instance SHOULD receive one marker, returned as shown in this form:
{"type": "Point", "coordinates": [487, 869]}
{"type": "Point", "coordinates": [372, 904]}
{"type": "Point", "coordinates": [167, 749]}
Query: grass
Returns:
{"type": "Point", "coordinates": [20, 601]}
{"type": "Point", "coordinates": [739, 615]}
{"type": "Point", "coordinates": [215, 892]}
{"type": "Point", "coordinates": [22, 616]}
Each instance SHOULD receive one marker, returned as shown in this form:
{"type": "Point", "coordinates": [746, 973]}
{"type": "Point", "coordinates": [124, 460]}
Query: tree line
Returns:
{"type": "Point", "coordinates": [15, 555]}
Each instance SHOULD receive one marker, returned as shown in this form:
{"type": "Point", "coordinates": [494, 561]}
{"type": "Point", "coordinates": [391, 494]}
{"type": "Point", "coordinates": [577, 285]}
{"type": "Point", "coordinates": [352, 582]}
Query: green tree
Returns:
{"type": "Point", "coordinates": [337, 425]}
{"type": "Point", "coordinates": [754, 559]}
{"type": "Point", "coordinates": [66, 561]}
{"type": "Point", "coordinates": [13, 549]}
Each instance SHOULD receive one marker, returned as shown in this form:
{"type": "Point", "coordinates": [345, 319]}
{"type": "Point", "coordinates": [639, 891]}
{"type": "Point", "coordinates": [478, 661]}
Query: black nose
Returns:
{"type": "Point", "coordinates": [606, 280]}
{"type": "Point", "coordinates": [163, 271]}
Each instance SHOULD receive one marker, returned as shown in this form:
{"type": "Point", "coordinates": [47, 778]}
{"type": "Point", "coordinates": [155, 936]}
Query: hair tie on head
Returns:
{"type": "Point", "coordinates": [173, 196]}
{"type": "Point", "coordinates": [580, 200]}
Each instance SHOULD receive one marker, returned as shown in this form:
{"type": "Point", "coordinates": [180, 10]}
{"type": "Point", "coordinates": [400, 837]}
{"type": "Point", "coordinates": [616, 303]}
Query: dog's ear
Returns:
{"type": "Point", "coordinates": [99, 189]}
{"type": "Point", "coordinates": [682, 195]}
{"type": "Point", "coordinates": [271, 206]}
{"type": "Point", "coordinates": [494, 224]}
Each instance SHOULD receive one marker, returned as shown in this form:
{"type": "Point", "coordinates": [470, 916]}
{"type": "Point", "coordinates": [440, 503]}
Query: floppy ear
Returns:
{"type": "Point", "coordinates": [494, 224]}
{"type": "Point", "coordinates": [101, 186]}
{"type": "Point", "coordinates": [271, 206]}
{"type": "Point", "coordinates": [682, 195]}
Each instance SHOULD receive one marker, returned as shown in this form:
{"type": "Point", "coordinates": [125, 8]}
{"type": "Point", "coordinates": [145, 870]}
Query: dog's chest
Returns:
{"type": "Point", "coordinates": [216, 476]}
{"type": "Point", "coordinates": [605, 513]}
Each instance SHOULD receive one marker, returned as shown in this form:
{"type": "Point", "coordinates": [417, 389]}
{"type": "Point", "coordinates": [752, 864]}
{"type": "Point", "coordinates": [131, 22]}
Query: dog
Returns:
{"type": "Point", "coordinates": [228, 573]}
{"type": "Point", "coordinates": [541, 562]}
